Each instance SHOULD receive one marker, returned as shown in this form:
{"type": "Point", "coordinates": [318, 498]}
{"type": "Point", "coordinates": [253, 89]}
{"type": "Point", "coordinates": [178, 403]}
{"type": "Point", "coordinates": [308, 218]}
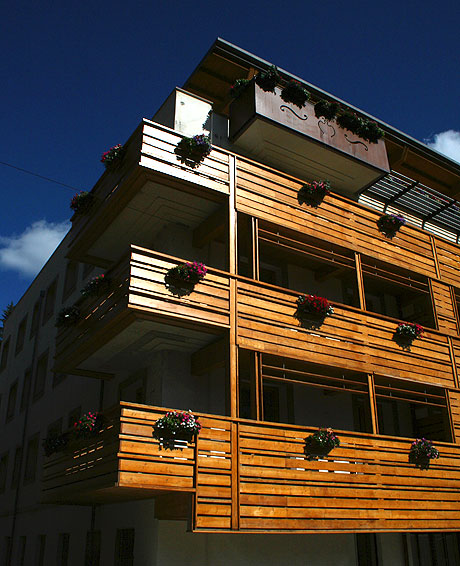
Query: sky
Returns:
{"type": "Point", "coordinates": [77, 78]}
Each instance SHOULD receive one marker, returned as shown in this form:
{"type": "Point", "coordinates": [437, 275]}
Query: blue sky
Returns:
{"type": "Point", "coordinates": [77, 77]}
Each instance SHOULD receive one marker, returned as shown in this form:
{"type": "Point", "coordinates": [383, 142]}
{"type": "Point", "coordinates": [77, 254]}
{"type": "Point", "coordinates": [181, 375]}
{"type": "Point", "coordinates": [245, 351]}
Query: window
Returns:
{"type": "Point", "coordinates": [396, 292]}
{"type": "Point", "coordinates": [70, 280]}
{"type": "Point", "coordinates": [366, 546]}
{"type": "Point", "coordinates": [62, 557]}
{"type": "Point", "coordinates": [302, 393]}
{"type": "Point", "coordinates": [21, 336]}
{"type": "Point", "coordinates": [31, 459]}
{"type": "Point", "coordinates": [7, 550]}
{"type": "Point", "coordinates": [87, 268]}
{"type": "Point", "coordinates": [308, 265]}
{"type": "Point", "coordinates": [3, 471]}
{"type": "Point", "coordinates": [124, 547]}
{"type": "Point", "coordinates": [50, 301]}
{"type": "Point", "coordinates": [40, 378]}
{"type": "Point", "coordinates": [427, 549]}
{"type": "Point", "coordinates": [22, 546]}
{"type": "Point", "coordinates": [411, 410]}
{"type": "Point", "coordinates": [93, 548]}
{"type": "Point", "coordinates": [16, 467]}
{"type": "Point", "coordinates": [35, 319]}
{"type": "Point", "coordinates": [40, 550]}
{"type": "Point", "coordinates": [4, 358]}
{"type": "Point", "coordinates": [26, 389]}
{"type": "Point", "coordinates": [11, 407]}
{"type": "Point", "coordinates": [132, 389]}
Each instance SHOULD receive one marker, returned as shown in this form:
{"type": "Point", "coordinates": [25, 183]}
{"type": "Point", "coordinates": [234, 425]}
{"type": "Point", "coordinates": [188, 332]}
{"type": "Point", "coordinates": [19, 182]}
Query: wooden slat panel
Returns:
{"type": "Point", "coordinates": [271, 196]}
{"type": "Point", "coordinates": [445, 312]}
{"type": "Point", "coordinates": [350, 339]}
{"type": "Point", "coordinates": [449, 261]}
{"type": "Point", "coordinates": [454, 400]}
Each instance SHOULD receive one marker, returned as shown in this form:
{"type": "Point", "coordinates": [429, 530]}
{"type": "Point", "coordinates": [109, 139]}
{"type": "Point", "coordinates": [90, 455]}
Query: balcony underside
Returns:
{"type": "Point", "coordinates": [248, 476]}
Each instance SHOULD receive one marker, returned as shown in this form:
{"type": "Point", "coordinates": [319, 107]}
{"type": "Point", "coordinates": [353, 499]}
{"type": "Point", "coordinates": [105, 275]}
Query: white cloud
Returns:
{"type": "Point", "coordinates": [28, 252]}
{"type": "Point", "coordinates": [447, 143]}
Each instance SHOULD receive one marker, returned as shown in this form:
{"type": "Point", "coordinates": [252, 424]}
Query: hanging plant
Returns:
{"type": "Point", "coordinates": [389, 224]}
{"type": "Point", "coordinates": [88, 425]}
{"type": "Point", "coordinates": [96, 286]}
{"type": "Point", "coordinates": [312, 310]}
{"type": "Point", "coordinates": [67, 316]}
{"type": "Point", "coordinates": [349, 120]}
{"type": "Point", "coordinates": [421, 452]}
{"type": "Point", "coordinates": [112, 158]}
{"type": "Point", "coordinates": [294, 93]}
{"type": "Point", "coordinates": [320, 443]}
{"type": "Point", "coordinates": [327, 110]}
{"type": "Point", "coordinates": [409, 330]}
{"type": "Point", "coordinates": [176, 426]}
{"type": "Point", "coordinates": [238, 87]}
{"type": "Point", "coordinates": [313, 193]}
{"type": "Point", "coordinates": [192, 151]}
{"type": "Point", "coordinates": [268, 79]}
{"type": "Point", "coordinates": [82, 202]}
{"type": "Point", "coordinates": [55, 443]}
{"type": "Point", "coordinates": [181, 279]}
{"type": "Point", "coordinates": [370, 131]}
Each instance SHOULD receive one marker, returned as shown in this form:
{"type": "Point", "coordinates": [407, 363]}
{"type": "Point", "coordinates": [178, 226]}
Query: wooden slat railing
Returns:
{"type": "Point", "coordinates": [349, 338]}
{"type": "Point", "coordinates": [272, 196]}
{"type": "Point", "coordinates": [449, 261]}
{"type": "Point", "coordinates": [253, 476]}
{"type": "Point", "coordinates": [137, 288]}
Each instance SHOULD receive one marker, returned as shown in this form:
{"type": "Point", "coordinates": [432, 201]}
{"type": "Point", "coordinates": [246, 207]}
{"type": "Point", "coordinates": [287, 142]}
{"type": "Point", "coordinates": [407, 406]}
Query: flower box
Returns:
{"type": "Point", "coordinates": [82, 202]}
{"type": "Point", "coordinates": [294, 93]}
{"type": "Point", "coordinates": [96, 286]}
{"type": "Point", "coordinates": [182, 279]}
{"type": "Point", "coordinates": [313, 193]}
{"type": "Point", "coordinates": [175, 428]}
{"type": "Point", "coordinates": [320, 443]}
{"type": "Point", "coordinates": [67, 316]}
{"type": "Point", "coordinates": [112, 158]}
{"type": "Point", "coordinates": [192, 151]}
{"type": "Point", "coordinates": [313, 309]}
{"type": "Point", "coordinates": [389, 224]}
{"type": "Point", "coordinates": [422, 452]}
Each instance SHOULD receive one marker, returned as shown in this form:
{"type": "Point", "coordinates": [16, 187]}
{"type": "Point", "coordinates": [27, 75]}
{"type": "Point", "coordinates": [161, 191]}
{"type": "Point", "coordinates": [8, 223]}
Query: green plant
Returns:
{"type": "Point", "coordinates": [238, 87]}
{"type": "Point", "coordinates": [421, 452]}
{"type": "Point", "coordinates": [409, 330]}
{"type": "Point", "coordinates": [55, 443]}
{"type": "Point", "coordinates": [321, 442]}
{"type": "Point", "coordinates": [313, 193]}
{"type": "Point", "coordinates": [349, 120]}
{"type": "Point", "coordinates": [113, 156]}
{"type": "Point", "coordinates": [95, 286]}
{"type": "Point", "coordinates": [327, 110]}
{"type": "Point", "coordinates": [176, 425]}
{"type": "Point", "coordinates": [191, 151]}
{"type": "Point", "coordinates": [370, 131]}
{"type": "Point", "coordinates": [313, 305]}
{"type": "Point", "coordinates": [82, 202]}
{"type": "Point", "coordinates": [295, 93]}
{"type": "Point", "coordinates": [183, 278]}
{"type": "Point", "coordinates": [67, 316]}
{"type": "Point", "coordinates": [88, 424]}
{"type": "Point", "coordinates": [268, 79]}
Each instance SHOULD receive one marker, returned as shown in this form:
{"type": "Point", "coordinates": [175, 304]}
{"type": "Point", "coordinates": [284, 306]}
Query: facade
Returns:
{"type": "Point", "coordinates": [237, 353]}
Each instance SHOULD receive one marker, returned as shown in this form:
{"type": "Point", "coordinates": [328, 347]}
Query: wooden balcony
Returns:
{"type": "Point", "coordinates": [137, 305]}
{"type": "Point", "coordinates": [249, 476]}
{"type": "Point", "coordinates": [149, 188]}
{"type": "Point", "coordinates": [295, 141]}
{"type": "Point", "coordinates": [350, 338]}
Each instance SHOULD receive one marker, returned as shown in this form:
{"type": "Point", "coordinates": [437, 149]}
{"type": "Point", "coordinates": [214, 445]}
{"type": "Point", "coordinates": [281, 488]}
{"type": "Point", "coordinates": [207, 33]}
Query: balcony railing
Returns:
{"type": "Point", "coordinates": [293, 139]}
{"type": "Point", "coordinates": [255, 477]}
{"type": "Point", "coordinates": [137, 291]}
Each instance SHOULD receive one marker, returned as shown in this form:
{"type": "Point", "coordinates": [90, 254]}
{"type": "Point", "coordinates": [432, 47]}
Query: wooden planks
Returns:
{"type": "Point", "coordinates": [444, 307]}
{"type": "Point", "coordinates": [157, 153]}
{"type": "Point", "coordinates": [348, 339]}
{"type": "Point", "coordinates": [272, 196]}
{"type": "Point", "coordinates": [449, 261]}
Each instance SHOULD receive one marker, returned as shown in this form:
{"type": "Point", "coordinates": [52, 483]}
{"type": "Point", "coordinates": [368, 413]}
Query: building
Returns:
{"type": "Point", "coordinates": [261, 379]}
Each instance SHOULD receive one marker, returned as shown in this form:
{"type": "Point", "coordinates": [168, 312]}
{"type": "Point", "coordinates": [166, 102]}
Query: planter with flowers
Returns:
{"type": "Point", "coordinates": [55, 443]}
{"type": "Point", "coordinates": [268, 79]}
{"type": "Point", "coordinates": [295, 93]}
{"type": "Point", "coordinates": [192, 151]}
{"type": "Point", "coordinates": [421, 452]}
{"type": "Point", "coordinates": [68, 316]}
{"type": "Point", "coordinates": [327, 110]}
{"type": "Point", "coordinates": [113, 157]}
{"type": "Point", "coordinates": [313, 193]}
{"type": "Point", "coordinates": [88, 425]}
{"type": "Point", "coordinates": [389, 224]}
{"type": "Point", "coordinates": [320, 443]}
{"type": "Point", "coordinates": [82, 202]}
{"type": "Point", "coordinates": [238, 87]}
{"type": "Point", "coordinates": [312, 310]}
{"type": "Point", "coordinates": [176, 429]}
{"type": "Point", "coordinates": [406, 333]}
{"type": "Point", "coordinates": [181, 279]}
{"type": "Point", "coordinates": [96, 286]}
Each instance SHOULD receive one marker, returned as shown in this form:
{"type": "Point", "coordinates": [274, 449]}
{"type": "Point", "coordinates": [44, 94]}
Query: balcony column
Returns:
{"type": "Point", "coordinates": [233, 262]}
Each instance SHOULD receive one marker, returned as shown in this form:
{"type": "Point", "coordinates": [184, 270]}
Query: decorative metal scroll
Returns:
{"type": "Point", "coordinates": [326, 123]}
{"type": "Point", "coordinates": [283, 107]}
{"type": "Point", "coordinates": [357, 141]}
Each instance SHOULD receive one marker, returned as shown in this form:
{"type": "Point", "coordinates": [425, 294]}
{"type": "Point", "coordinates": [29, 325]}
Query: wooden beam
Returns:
{"type": "Point", "coordinates": [211, 228]}
{"type": "Point", "coordinates": [359, 276]}
{"type": "Point", "coordinates": [210, 357]}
